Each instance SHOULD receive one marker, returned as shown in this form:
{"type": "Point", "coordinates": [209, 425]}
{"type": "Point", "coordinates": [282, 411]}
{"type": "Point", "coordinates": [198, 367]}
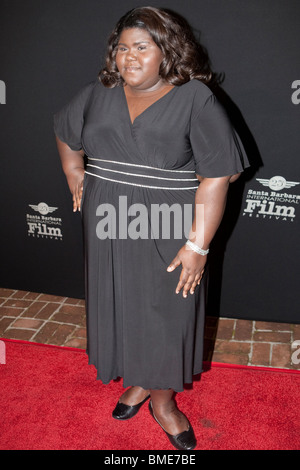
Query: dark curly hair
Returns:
{"type": "Point", "coordinates": [184, 58]}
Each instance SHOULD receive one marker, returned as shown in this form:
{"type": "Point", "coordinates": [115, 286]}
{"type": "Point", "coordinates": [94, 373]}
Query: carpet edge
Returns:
{"type": "Point", "coordinates": [206, 364]}
{"type": "Point", "coordinates": [32, 343]}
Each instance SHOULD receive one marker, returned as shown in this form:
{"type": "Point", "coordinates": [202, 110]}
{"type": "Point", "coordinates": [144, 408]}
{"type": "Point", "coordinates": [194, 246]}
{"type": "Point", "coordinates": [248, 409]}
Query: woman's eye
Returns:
{"type": "Point", "coordinates": [141, 48]}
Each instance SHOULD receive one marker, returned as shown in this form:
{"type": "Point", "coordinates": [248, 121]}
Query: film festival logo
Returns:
{"type": "Point", "coordinates": [275, 202]}
{"type": "Point", "coordinates": [41, 224]}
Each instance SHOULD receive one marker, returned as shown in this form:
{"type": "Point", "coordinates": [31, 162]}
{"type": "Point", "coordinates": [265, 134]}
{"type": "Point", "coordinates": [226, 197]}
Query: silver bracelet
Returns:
{"type": "Point", "coordinates": [196, 248]}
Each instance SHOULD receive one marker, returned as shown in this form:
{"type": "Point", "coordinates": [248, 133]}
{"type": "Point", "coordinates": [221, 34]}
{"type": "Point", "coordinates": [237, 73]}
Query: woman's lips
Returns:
{"type": "Point", "coordinates": [132, 69]}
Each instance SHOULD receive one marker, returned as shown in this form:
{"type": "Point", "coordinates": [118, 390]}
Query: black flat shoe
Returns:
{"type": "Point", "coordinates": [123, 411]}
{"type": "Point", "coordinates": [186, 440]}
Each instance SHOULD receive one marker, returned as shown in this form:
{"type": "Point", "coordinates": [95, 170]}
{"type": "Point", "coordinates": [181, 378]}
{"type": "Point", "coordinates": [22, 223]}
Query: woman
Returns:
{"type": "Point", "coordinates": [152, 131]}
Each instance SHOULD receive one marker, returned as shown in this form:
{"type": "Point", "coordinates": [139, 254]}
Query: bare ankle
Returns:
{"type": "Point", "coordinates": [134, 395]}
{"type": "Point", "coordinates": [164, 408]}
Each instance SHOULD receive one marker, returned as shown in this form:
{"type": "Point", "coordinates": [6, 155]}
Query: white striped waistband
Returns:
{"type": "Point", "coordinates": [142, 174]}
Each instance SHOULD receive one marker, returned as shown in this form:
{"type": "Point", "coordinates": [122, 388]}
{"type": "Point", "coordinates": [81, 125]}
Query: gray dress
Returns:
{"type": "Point", "coordinates": [138, 199]}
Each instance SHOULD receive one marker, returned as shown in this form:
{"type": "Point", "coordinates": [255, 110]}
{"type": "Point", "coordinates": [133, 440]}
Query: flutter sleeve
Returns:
{"type": "Point", "coordinates": [69, 121]}
{"type": "Point", "coordinates": [217, 148]}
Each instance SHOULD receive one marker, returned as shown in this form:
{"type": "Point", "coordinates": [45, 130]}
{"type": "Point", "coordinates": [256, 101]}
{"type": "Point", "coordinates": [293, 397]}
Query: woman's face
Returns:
{"type": "Point", "coordinates": [138, 59]}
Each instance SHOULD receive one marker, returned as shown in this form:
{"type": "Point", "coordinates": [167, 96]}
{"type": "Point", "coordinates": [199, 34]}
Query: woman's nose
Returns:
{"type": "Point", "coordinates": [130, 55]}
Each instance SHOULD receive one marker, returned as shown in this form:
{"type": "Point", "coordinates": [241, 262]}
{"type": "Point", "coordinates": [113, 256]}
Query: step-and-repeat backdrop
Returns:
{"type": "Point", "coordinates": [49, 50]}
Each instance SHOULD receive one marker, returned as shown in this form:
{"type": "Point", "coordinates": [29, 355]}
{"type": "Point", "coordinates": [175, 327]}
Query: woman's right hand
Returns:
{"type": "Point", "coordinates": [75, 182]}
{"type": "Point", "coordinates": [73, 167]}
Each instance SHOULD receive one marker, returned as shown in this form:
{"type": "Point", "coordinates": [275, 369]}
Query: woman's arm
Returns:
{"type": "Point", "coordinates": [210, 202]}
{"type": "Point", "coordinates": [73, 167]}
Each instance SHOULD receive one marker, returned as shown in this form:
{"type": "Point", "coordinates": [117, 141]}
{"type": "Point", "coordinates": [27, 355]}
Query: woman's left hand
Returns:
{"type": "Point", "coordinates": [192, 269]}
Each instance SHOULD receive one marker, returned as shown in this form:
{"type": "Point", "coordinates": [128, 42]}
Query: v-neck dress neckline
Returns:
{"type": "Point", "coordinates": [132, 123]}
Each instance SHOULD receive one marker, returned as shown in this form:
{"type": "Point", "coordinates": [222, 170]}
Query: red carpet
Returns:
{"type": "Point", "coordinates": [50, 400]}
